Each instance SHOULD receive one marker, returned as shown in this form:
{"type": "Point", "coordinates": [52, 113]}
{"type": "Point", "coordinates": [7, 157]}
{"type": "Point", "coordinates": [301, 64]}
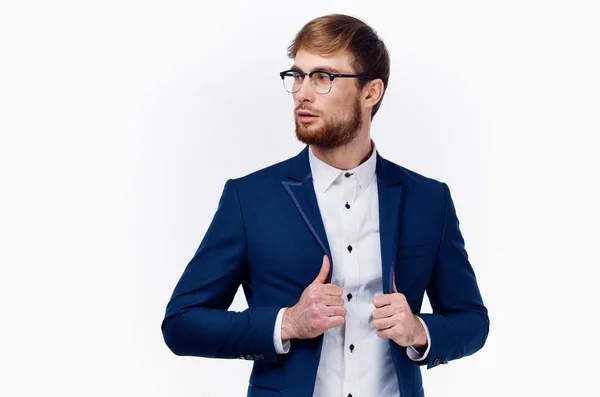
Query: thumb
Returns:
{"type": "Point", "coordinates": [394, 283]}
{"type": "Point", "coordinates": [324, 273]}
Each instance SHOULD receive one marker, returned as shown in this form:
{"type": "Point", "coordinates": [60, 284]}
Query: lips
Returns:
{"type": "Point", "coordinates": [305, 117]}
{"type": "Point", "coordinates": [304, 112]}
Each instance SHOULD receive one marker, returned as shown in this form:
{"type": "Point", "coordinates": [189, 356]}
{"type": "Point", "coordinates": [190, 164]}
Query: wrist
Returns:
{"type": "Point", "coordinates": [421, 336]}
{"type": "Point", "coordinates": [287, 328]}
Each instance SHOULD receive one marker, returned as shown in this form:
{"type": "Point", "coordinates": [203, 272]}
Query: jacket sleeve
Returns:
{"type": "Point", "coordinates": [197, 321]}
{"type": "Point", "coordinates": [459, 324]}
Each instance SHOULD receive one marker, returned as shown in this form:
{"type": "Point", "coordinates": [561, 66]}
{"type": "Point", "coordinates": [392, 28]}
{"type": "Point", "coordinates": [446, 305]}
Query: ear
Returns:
{"type": "Point", "coordinates": [372, 92]}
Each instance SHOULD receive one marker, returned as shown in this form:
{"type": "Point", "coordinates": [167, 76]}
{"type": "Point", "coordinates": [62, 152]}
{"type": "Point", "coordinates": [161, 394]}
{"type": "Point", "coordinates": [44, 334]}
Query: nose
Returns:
{"type": "Point", "coordinates": [306, 92]}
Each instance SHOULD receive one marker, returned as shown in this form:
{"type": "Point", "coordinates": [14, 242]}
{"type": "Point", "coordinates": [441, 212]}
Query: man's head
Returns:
{"type": "Point", "coordinates": [339, 44]}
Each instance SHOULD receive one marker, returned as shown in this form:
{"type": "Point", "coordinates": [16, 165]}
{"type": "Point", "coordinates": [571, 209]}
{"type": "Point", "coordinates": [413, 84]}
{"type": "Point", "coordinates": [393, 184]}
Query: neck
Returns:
{"type": "Point", "coordinates": [346, 157]}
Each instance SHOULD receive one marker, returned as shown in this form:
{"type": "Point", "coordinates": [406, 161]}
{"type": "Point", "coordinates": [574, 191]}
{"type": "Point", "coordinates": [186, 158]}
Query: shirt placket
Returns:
{"type": "Point", "coordinates": [349, 220]}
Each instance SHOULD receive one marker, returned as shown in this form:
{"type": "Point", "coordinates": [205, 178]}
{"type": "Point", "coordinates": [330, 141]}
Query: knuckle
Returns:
{"type": "Point", "coordinates": [315, 310]}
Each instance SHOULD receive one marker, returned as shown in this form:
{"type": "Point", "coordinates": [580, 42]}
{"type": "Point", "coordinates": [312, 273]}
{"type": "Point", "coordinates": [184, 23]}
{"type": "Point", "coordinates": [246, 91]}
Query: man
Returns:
{"type": "Point", "coordinates": [334, 248]}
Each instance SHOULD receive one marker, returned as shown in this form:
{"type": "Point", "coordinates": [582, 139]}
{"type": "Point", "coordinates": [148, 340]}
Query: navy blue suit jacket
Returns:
{"type": "Point", "coordinates": [267, 235]}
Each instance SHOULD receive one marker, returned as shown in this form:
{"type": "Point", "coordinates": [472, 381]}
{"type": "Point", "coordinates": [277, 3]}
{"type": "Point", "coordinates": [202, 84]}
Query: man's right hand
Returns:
{"type": "Point", "coordinates": [320, 307]}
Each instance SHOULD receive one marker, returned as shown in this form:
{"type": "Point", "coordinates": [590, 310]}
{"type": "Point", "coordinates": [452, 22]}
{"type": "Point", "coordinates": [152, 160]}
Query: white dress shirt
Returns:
{"type": "Point", "coordinates": [354, 360]}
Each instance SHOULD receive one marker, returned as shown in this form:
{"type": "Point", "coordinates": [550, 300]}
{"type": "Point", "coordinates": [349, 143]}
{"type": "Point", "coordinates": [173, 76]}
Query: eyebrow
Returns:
{"type": "Point", "coordinates": [323, 68]}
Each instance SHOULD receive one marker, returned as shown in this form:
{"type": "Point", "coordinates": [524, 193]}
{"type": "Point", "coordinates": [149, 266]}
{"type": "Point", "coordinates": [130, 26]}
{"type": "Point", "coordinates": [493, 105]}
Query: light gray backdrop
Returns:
{"type": "Point", "coordinates": [122, 120]}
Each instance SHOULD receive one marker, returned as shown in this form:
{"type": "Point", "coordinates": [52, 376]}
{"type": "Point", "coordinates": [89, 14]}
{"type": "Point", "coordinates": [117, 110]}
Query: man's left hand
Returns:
{"type": "Point", "coordinates": [394, 320]}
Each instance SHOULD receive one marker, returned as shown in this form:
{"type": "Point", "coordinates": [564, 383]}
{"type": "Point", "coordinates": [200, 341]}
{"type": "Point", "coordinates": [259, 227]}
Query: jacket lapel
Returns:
{"type": "Point", "coordinates": [301, 190]}
{"type": "Point", "coordinates": [391, 197]}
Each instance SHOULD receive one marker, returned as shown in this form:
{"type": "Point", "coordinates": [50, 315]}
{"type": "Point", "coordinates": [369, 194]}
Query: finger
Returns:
{"type": "Point", "coordinates": [386, 311]}
{"type": "Point", "coordinates": [385, 333]}
{"type": "Point", "coordinates": [324, 273]}
{"type": "Point", "coordinates": [331, 289]}
{"type": "Point", "coordinates": [334, 311]}
{"type": "Point", "coordinates": [332, 301]}
{"type": "Point", "coordinates": [394, 281]}
{"type": "Point", "coordinates": [384, 323]}
{"type": "Point", "coordinates": [383, 300]}
{"type": "Point", "coordinates": [335, 321]}
{"type": "Point", "coordinates": [388, 299]}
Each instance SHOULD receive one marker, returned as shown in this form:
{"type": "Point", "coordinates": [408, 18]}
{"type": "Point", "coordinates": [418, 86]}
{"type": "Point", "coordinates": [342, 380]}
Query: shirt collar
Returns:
{"type": "Point", "coordinates": [324, 174]}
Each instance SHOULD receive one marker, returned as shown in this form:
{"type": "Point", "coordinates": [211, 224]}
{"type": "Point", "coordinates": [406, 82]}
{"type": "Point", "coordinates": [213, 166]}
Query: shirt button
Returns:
{"type": "Point", "coordinates": [347, 206]}
{"type": "Point", "coordinates": [348, 174]}
{"type": "Point", "coordinates": [349, 394]}
{"type": "Point", "coordinates": [350, 248]}
{"type": "Point", "coordinates": [349, 296]}
{"type": "Point", "coordinates": [351, 348]}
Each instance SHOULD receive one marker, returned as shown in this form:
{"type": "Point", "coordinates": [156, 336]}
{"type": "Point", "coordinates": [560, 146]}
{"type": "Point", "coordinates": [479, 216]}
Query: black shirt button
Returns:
{"type": "Point", "coordinates": [351, 348]}
{"type": "Point", "coordinates": [347, 206]}
{"type": "Point", "coordinates": [349, 394]}
{"type": "Point", "coordinates": [348, 174]}
{"type": "Point", "coordinates": [349, 296]}
{"type": "Point", "coordinates": [350, 248]}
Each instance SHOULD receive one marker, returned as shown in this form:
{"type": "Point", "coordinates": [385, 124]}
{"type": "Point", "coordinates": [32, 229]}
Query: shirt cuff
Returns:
{"type": "Point", "coordinates": [413, 353]}
{"type": "Point", "coordinates": [280, 348]}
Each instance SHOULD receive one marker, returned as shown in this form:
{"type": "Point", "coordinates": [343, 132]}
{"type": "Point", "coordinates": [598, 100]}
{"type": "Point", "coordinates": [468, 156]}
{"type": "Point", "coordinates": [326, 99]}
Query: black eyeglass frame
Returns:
{"type": "Point", "coordinates": [331, 77]}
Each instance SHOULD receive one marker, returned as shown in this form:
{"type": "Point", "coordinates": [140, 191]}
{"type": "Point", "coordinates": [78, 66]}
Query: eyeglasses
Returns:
{"type": "Point", "coordinates": [320, 80]}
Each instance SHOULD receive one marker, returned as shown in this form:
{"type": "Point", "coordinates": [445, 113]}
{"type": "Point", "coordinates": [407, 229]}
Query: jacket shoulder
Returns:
{"type": "Point", "coordinates": [273, 173]}
{"type": "Point", "coordinates": [411, 178]}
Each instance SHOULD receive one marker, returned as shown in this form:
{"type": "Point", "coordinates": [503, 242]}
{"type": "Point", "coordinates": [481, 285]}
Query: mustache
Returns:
{"type": "Point", "coordinates": [305, 109]}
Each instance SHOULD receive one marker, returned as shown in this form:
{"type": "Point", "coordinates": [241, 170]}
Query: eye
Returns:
{"type": "Point", "coordinates": [321, 77]}
{"type": "Point", "coordinates": [297, 76]}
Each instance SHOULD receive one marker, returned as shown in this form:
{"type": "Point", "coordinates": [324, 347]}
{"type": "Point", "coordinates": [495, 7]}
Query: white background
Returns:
{"type": "Point", "coordinates": [121, 121]}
